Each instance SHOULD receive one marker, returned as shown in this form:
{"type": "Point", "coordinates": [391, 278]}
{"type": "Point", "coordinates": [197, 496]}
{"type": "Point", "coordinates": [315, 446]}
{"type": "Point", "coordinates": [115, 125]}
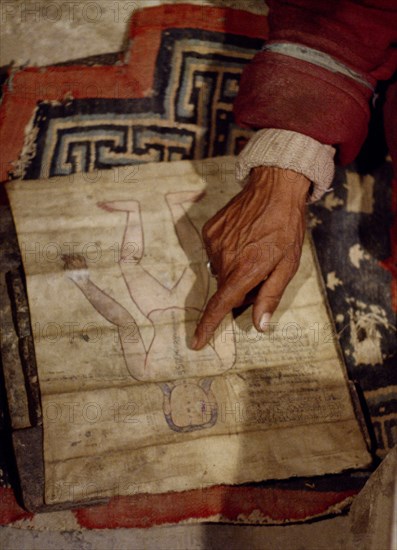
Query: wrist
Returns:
{"type": "Point", "coordinates": [281, 180]}
{"type": "Point", "coordinates": [291, 151]}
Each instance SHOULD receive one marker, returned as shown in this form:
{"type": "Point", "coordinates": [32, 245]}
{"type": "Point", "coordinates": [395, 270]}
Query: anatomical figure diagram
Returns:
{"type": "Point", "coordinates": [189, 403]}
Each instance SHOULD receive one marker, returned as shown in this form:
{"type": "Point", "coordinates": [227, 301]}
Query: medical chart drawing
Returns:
{"type": "Point", "coordinates": [189, 403]}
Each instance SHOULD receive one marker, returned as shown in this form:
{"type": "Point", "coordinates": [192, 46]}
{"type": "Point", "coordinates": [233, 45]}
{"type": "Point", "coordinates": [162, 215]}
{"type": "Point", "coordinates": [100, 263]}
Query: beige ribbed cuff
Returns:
{"type": "Point", "coordinates": [291, 151]}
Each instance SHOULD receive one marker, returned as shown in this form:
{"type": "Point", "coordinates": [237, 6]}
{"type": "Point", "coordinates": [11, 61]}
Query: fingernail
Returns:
{"type": "Point", "coordinates": [194, 342]}
{"type": "Point", "coordinates": [264, 322]}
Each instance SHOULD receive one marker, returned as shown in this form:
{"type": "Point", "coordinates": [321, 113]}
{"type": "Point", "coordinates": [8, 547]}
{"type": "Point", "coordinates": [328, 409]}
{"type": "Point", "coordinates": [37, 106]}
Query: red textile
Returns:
{"type": "Point", "coordinates": [278, 91]}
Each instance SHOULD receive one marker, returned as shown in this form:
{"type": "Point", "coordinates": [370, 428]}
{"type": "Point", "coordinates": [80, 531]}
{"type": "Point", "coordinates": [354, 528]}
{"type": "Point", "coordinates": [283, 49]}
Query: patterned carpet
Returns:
{"type": "Point", "coordinates": [171, 98]}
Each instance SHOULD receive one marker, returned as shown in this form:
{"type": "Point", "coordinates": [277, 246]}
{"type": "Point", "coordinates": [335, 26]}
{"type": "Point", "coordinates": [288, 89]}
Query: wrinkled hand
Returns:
{"type": "Point", "coordinates": [254, 245]}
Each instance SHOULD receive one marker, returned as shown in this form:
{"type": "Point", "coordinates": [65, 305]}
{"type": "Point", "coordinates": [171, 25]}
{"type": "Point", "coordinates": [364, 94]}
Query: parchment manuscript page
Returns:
{"type": "Point", "coordinates": [116, 279]}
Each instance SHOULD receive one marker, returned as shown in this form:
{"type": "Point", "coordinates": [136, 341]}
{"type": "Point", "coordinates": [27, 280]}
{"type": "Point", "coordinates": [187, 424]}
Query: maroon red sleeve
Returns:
{"type": "Point", "coordinates": [279, 91]}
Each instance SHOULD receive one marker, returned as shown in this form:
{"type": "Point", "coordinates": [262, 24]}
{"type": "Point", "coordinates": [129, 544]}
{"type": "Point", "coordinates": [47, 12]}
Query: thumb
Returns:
{"type": "Point", "coordinates": [270, 294]}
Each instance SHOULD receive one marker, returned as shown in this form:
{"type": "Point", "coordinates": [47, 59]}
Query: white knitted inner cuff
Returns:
{"type": "Point", "coordinates": [292, 151]}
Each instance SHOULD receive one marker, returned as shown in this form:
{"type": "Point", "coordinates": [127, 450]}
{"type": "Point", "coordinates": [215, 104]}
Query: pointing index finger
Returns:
{"type": "Point", "coordinates": [227, 297]}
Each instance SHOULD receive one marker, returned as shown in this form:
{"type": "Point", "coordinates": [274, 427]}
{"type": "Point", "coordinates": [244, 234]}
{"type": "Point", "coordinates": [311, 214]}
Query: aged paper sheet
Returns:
{"type": "Point", "coordinates": [116, 278]}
